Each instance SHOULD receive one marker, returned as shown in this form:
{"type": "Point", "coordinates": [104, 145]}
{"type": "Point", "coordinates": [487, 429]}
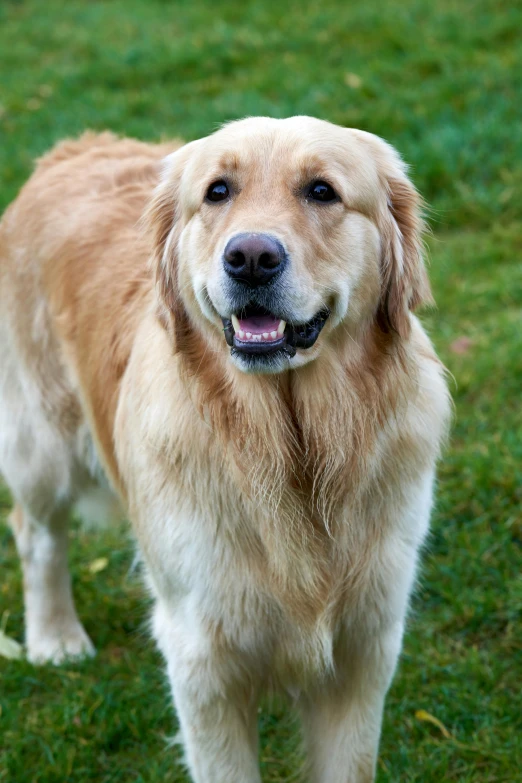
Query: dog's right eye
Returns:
{"type": "Point", "coordinates": [322, 191]}
{"type": "Point", "coordinates": [218, 191]}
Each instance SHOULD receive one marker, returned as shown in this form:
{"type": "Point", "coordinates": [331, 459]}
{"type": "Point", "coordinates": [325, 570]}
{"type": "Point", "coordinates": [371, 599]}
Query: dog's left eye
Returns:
{"type": "Point", "coordinates": [218, 191]}
{"type": "Point", "coordinates": [322, 191]}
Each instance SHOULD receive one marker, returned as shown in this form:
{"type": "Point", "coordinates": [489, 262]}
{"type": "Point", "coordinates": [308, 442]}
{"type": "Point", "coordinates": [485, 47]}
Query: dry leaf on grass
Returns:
{"type": "Point", "coordinates": [9, 648]}
{"type": "Point", "coordinates": [100, 564]}
{"type": "Point", "coordinates": [428, 718]}
{"type": "Point", "coordinates": [352, 80]}
{"type": "Point", "coordinates": [461, 345]}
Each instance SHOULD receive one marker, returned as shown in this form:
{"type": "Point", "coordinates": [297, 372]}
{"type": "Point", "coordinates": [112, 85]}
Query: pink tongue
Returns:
{"type": "Point", "coordinates": [259, 324]}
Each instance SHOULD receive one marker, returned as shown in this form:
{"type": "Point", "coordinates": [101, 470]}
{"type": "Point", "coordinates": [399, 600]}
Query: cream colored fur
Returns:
{"type": "Point", "coordinates": [279, 515]}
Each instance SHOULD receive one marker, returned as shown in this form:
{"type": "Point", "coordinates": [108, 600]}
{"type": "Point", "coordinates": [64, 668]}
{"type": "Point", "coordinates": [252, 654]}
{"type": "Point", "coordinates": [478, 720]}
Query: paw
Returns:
{"type": "Point", "coordinates": [58, 646]}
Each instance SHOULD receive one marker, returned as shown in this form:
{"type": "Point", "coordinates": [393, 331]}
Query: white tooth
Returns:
{"type": "Point", "coordinates": [240, 334]}
{"type": "Point", "coordinates": [257, 338]}
{"type": "Point", "coordinates": [281, 328]}
{"type": "Point", "coordinates": [266, 335]}
{"type": "Point", "coordinates": [273, 335]}
{"type": "Point", "coordinates": [248, 335]}
{"type": "Point", "coordinates": [235, 323]}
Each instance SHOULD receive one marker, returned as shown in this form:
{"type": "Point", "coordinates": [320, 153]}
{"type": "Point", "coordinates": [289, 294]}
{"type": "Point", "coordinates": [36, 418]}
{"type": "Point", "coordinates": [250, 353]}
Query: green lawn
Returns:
{"type": "Point", "coordinates": [442, 82]}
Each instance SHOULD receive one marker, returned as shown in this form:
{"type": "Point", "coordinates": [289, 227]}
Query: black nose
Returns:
{"type": "Point", "coordinates": [254, 259]}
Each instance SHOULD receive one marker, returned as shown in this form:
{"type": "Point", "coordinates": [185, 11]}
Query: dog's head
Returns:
{"type": "Point", "coordinates": [272, 236]}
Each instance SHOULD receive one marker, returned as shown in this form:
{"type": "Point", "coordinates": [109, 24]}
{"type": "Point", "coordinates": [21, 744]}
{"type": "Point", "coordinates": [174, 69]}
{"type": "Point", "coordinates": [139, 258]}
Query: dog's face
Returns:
{"type": "Point", "coordinates": [276, 234]}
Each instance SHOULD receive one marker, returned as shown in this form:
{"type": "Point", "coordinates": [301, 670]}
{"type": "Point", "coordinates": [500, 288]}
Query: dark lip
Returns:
{"type": "Point", "coordinates": [295, 335]}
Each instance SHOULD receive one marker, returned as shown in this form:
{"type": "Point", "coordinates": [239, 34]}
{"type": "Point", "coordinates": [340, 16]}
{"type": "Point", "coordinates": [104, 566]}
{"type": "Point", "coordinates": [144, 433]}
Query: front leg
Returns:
{"type": "Point", "coordinates": [342, 720]}
{"type": "Point", "coordinates": [215, 701]}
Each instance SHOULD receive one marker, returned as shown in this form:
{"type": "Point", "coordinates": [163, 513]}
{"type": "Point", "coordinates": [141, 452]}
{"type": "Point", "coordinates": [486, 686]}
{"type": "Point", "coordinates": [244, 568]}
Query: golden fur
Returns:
{"type": "Point", "coordinates": [306, 480]}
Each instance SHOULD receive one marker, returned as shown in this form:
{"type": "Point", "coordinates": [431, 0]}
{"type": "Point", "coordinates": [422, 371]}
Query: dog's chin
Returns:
{"type": "Point", "coordinates": [262, 364]}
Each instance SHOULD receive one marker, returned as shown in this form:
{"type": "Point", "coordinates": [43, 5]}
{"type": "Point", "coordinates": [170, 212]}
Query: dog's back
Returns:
{"type": "Point", "coordinates": [72, 260]}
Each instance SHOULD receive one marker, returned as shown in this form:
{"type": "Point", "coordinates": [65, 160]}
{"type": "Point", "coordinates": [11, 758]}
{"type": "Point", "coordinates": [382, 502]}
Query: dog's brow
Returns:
{"type": "Point", "coordinates": [229, 161]}
{"type": "Point", "coordinates": [309, 166]}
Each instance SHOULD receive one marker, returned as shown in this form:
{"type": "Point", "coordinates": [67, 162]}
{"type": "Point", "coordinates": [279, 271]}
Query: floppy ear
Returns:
{"type": "Point", "coordinates": [162, 219]}
{"type": "Point", "coordinates": [404, 280]}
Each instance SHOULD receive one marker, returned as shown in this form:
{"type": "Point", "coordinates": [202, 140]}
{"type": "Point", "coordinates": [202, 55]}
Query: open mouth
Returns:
{"type": "Point", "coordinates": [254, 330]}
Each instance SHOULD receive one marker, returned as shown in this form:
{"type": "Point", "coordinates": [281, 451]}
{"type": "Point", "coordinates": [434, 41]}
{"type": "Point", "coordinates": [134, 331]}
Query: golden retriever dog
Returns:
{"type": "Point", "coordinates": [221, 334]}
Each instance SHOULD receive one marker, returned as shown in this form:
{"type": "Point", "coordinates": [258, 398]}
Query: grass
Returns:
{"type": "Point", "coordinates": [438, 80]}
